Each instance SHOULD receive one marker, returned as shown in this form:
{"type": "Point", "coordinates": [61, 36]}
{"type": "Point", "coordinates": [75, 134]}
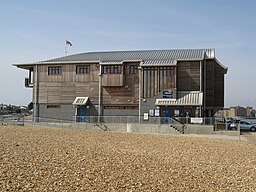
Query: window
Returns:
{"type": "Point", "coordinates": [53, 106]}
{"type": "Point", "coordinates": [122, 107]}
{"type": "Point", "coordinates": [112, 69]}
{"type": "Point", "coordinates": [54, 70]}
{"type": "Point", "coordinates": [133, 69]}
{"type": "Point", "coordinates": [80, 69]}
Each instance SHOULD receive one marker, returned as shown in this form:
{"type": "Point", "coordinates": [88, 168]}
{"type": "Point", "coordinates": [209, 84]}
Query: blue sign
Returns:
{"type": "Point", "coordinates": [168, 94]}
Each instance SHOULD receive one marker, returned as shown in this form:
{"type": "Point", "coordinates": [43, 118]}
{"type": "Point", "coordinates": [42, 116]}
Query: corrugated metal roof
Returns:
{"type": "Point", "coordinates": [184, 98]}
{"type": "Point", "coordinates": [111, 63]}
{"type": "Point", "coordinates": [145, 55]}
{"type": "Point", "coordinates": [159, 62]}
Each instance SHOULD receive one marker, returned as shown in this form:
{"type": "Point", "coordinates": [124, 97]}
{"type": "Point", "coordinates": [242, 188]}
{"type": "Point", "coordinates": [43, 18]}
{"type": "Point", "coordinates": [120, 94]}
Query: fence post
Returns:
{"type": "Point", "coordinates": [239, 131]}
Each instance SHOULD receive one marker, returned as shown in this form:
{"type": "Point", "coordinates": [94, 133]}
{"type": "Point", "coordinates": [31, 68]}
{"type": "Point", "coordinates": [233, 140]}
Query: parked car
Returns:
{"type": "Point", "coordinates": [229, 120]}
{"type": "Point", "coordinates": [244, 125]}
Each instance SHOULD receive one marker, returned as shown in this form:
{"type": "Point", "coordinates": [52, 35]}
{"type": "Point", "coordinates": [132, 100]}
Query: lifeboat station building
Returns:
{"type": "Point", "coordinates": [141, 83]}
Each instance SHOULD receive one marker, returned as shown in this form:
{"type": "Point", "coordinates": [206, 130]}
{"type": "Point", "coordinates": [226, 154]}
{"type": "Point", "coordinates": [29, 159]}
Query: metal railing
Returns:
{"type": "Point", "coordinates": [135, 119]}
{"type": "Point", "coordinates": [179, 123]}
{"type": "Point", "coordinates": [149, 120]}
{"type": "Point", "coordinates": [48, 122]}
{"type": "Point", "coordinates": [12, 120]}
{"type": "Point", "coordinates": [119, 119]}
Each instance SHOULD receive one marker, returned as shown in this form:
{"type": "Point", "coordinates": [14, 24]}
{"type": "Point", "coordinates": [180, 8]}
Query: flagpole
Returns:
{"type": "Point", "coordinates": [67, 43]}
{"type": "Point", "coordinates": [66, 49]}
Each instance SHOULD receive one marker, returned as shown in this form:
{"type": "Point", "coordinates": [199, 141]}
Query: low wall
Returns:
{"type": "Point", "coordinates": [135, 127]}
{"type": "Point", "coordinates": [115, 127]}
{"type": "Point", "coordinates": [198, 129]}
{"type": "Point", "coordinates": [157, 129]}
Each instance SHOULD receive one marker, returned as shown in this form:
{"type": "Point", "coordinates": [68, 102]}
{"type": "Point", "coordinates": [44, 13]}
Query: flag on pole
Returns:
{"type": "Point", "coordinates": [68, 43]}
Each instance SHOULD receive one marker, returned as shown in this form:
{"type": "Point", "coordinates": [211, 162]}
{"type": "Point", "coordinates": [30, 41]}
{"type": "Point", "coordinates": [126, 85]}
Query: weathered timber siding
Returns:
{"type": "Point", "coordinates": [209, 91]}
{"type": "Point", "coordinates": [112, 80]}
{"type": "Point", "coordinates": [218, 86]}
{"type": "Point", "coordinates": [214, 84]}
{"type": "Point", "coordinates": [62, 89]}
{"type": "Point", "coordinates": [188, 76]}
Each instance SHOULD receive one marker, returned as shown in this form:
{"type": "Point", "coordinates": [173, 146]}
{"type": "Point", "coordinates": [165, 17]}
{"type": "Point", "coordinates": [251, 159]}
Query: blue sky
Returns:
{"type": "Point", "coordinates": [31, 31]}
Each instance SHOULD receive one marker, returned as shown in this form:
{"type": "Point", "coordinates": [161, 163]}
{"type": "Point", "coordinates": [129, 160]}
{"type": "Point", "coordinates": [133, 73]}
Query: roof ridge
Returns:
{"type": "Point", "coordinates": [188, 52]}
{"type": "Point", "coordinates": [143, 50]}
{"type": "Point", "coordinates": [130, 51]}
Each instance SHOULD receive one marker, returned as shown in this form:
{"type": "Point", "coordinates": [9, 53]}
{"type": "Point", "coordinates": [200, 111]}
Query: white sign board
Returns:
{"type": "Point", "coordinates": [151, 113]}
{"type": "Point", "coordinates": [196, 120]}
{"type": "Point", "coordinates": [145, 116]}
{"type": "Point", "coordinates": [157, 112]}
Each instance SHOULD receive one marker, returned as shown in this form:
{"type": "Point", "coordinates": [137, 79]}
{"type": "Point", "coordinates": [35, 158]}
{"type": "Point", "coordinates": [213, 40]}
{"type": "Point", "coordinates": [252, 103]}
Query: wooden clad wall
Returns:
{"type": "Point", "coordinates": [67, 92]}
{"type": "Point", "coordinates": [214, 84]}
{"type": "Point", "coordinates": [54, 92]}
{"type": "Point", "coordinates": [128, 93]}
{"type": "Point", "coordinates": [209, 89]}
{"type": "Point", "coordinates": [63, 88]}
{"type": "Point", "coordinates": [218, 86]}
{"type": "Point", "coordinates": [112, 80]}
{"type": "Point", "coordinates": [188, 76]}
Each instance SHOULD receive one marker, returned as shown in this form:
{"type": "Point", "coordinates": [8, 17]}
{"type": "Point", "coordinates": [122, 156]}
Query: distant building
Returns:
{"type": "Point", "coordinates": [8, 109]}
{"type": "Point", "coordinates": [241, 111]}
{"type": "Point", "coordinates": [237, 111]}
{"type": "Point", "coordinates": [249, 111]}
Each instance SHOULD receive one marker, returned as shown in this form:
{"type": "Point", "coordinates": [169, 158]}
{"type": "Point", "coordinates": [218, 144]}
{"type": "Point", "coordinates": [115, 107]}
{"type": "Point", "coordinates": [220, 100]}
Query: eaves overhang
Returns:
{"type": "Point", "coordinates": [184, 98]}
{"type": "Point", "coordinates": [225, 68]}
{"type": "Point", "coordinates": [30, 65]}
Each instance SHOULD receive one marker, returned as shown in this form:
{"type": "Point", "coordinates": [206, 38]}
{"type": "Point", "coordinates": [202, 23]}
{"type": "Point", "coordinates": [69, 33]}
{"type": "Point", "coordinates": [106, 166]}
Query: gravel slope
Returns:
{"type": "Point", "coordinates": [45, 159]}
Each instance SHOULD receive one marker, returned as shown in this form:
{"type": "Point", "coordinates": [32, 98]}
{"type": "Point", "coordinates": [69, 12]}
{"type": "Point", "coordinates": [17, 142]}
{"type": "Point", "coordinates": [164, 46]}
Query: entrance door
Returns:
{"type": "Point", "coordinates": [81, 114]}
{"type": "Point", "coordinates": [166, 114]}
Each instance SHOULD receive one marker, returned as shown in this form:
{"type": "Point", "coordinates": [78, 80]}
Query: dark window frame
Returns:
{"type": "Point", "coordinates": [133, 69]}
{"type": "Point", "coordinates": [112, 69]}
{"type": "Point", "coordinates": [122, 107]}
{"type": "Point", "coordinates": [82, 69]}
{"type": "Point", "coordinates": [53, 106]}
{"type": "Point", "coordinates": [55, 70]}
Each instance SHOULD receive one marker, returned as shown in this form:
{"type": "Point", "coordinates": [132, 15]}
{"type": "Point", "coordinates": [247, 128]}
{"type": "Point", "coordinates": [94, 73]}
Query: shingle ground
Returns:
{"type": "Point", "coordinates": [50, 159]}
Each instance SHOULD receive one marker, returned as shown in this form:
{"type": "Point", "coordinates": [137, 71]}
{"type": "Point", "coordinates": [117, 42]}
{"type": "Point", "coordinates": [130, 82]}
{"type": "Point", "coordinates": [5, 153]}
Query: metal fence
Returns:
{"type": "Point", "coordinates": [48, 122]}
{"type": "Point", "coordinates": [20, 119]}
{"type": "Point", "coordinates": [148, 120]}
{"type": "Point", "coordinates": [12, 119]}
{"type": "Point", "coordinates": [219, 125]}
{"type": "Point", "coordinates": [120, 119]}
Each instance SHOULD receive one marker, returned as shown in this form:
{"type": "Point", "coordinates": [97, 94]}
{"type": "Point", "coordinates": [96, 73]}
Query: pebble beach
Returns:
{"type": "Point", "coordinates": [52, 159]}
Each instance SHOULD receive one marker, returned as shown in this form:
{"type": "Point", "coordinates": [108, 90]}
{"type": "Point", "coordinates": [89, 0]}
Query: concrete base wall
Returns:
{"type": "Point", "coordinates": [132, 128]}
{"type": "Point", "coordinates": [149, 128]}
{"type": "Point", "coordinates": [65, 112]}
{"type": "Point", "coordinates": [68, 111]}
{"type": "Point", "coordinates": [117, 127]}
{"type": "Point", "coordinates": [199, 129]}
{"type": "Point", "coordinates": [120, 112]}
